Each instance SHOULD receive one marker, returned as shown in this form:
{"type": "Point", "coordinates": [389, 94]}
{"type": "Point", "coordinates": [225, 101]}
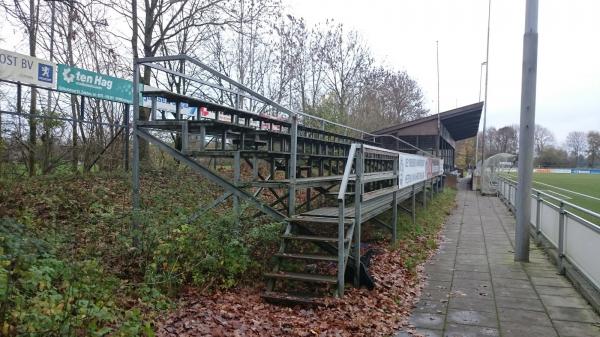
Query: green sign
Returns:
{"type": "Point", "coordinates": [88, 83]}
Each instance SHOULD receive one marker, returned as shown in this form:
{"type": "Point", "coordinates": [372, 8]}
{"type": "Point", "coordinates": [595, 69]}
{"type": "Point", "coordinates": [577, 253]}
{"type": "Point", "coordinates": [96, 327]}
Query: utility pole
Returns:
{"type": "Point", "coordinates": [439, 126]}
{"type": "Point", "coordinates": [135, 170]}
{"type": "Point", "coordinates": [479, 100]}
{"type": "Point", "coordinates": [526, 132]}
{"type": "Point", "coordinates": [485, 104]}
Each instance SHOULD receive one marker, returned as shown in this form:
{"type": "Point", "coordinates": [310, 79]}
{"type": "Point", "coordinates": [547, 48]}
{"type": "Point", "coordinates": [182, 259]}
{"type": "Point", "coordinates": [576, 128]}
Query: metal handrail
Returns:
{"type": "Point", "coordinates": [149, 61]}
{"type": "Point", "coordinates": [557, 235]}
{"type": "Point", "coordinates": [566, 203]}
{"type": "Point", "coordinates": [347, 171]}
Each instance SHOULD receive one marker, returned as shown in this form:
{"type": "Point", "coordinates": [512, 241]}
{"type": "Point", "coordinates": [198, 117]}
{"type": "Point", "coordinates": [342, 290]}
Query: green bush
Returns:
{"type": "Point", "coordinates": [41, 295]}
{"type": "Point", "coordinates": [213, 254]}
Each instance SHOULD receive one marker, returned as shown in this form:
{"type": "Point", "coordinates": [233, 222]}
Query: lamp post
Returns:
{"type": "Point", "coordinates": [487, 67]}
{"type": "Point", "coordinates": [526, 131]}
{"type": "Point", "coordinates": [484, 63]}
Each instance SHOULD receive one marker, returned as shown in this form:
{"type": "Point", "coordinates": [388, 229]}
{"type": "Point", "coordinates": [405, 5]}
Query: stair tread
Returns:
{"type": "Point", "coordinates": [310, 238]}
{"type": "Point", "coordinates": [282, 297]}
{"type": "Point", "coordinates": [318, 219]}
{"type": "Point", "coordinates": [303, 277]}
{"type": "Point", "coordinates": [308, 256]}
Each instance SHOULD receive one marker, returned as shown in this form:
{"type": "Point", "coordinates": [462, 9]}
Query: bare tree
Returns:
{"type": "Point", "coordinates": [542, 138]}
{"type": "Point", "coordinates": [576, 142]}
{"type": "Point", "coordinates": [27, 13]}
{"type": "Point", "coordinates": [347, 60]}
{"type": "Point", "coordinates": [593, 145]}
{"type": "Point", "coordinates": [387, 97]}
{"type": "Point", "coordinates": [160, 21]}
{"type": "Point", "coordinates": [507, 139]}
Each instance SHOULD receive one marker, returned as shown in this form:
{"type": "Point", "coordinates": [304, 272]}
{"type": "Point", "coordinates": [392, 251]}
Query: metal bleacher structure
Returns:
{"type": "Point", "coordinates": [323, 180]}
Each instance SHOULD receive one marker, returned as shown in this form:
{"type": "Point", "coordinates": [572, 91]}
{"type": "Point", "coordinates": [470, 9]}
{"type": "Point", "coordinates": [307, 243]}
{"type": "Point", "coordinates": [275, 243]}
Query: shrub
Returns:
{"type": "Point", "coordinates": [41, 295]}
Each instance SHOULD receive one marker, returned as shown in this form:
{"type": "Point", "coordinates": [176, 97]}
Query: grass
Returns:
{"type": "Point", "coordinates": [567, 186]}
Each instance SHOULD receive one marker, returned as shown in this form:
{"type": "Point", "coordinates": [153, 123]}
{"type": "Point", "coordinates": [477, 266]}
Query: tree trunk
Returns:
{"type": "Point", "coordinates": [74, 137]}
{"type": "Point", "coordinates": [32, 106]}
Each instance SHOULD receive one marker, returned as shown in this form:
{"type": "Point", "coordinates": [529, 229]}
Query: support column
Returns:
{"type": "Point", "coordinates": [236, 181]}
{"type": "Point", "coordinates": [185, 137]}
{"type": "Point", "coordinates": [126, 138]}
{"type": "Point", "coordinates": [395, 205]}
{"type": "Point", "coordinates": [414, 205]}
{"type": "Point", "coordinates": [358, 214]}
{"type": "Point", "coordinates": [135, 169]}
{"type": "Point", "coordinates": [425, 194]}
{"type": "Point", "coordinates": [292, 164]}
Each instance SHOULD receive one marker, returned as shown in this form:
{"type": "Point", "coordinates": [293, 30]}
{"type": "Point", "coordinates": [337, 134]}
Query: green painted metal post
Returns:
{"type": "Point", "coordinates": [135, 160]}
{"type": "Point", "coordinates": [414, 205]}
{"type": "Point", "coordinates": [538, 213]}
{"type": "Point", "coordinates": [341, 251]}
{"type": "Point", "coordinates": [185, 137]}
{"type": "Point", "coordinates": [292, 164]}
{"type": "Point", "coordinates": [425, 194]}
{"type": "Point", "coordinates": [395, 204]}
{"type": "Point", "coordinates": [236, 181]}
{"type": "Point", "coordinates": [358, 212]}
{"type": "Point", "coordinates": [561, 238]}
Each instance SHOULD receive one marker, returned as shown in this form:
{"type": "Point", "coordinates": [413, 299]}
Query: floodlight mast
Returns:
{"type": "Point", "coordinates": [487, 67]}
{"type": "Point", "coordinates": [526, 132]}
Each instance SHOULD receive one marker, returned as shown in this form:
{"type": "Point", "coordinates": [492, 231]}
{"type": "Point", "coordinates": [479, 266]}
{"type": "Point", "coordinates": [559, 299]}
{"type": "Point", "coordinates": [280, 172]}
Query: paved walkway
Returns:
{"type": "Point", "coordinates": [476, 289]}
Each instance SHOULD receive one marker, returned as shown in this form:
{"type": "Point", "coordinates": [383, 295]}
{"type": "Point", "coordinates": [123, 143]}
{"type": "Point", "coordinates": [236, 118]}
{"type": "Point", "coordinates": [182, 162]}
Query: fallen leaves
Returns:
{"type": "Point", "coordinates": [241, 312]}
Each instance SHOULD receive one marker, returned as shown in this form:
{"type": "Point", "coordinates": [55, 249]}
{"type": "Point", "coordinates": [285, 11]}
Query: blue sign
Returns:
{"type": "Point", "coordinates": [45, 72]}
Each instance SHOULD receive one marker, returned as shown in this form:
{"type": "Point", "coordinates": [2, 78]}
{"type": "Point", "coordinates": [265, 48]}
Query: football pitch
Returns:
{"type": "Point", "coordinates": [580, 189]}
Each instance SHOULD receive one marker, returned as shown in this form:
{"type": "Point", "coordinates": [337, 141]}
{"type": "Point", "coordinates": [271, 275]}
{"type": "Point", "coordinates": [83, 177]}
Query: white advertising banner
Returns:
{"type": "Point", "coordinates": [413, 169]}
{"type": "Point", "coordinates": [26, 69]}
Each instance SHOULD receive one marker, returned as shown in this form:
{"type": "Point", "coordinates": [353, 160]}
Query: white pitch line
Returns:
{"type": "Point", "coordinates": [556, 193]}
{"type": "Point", "coordinates": [566, 190]}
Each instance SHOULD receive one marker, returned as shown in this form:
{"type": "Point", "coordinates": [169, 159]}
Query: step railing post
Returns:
{"type": "Point", "coordinates": [341, 249]}
{"type": "Point", "coordinates": [395, 202]}
{"type": "Point", "coordinates": [431, 192]}
{"type": "Point", "coordinates": [414, 205]}
{"type": "Point", "coordinates": [292, 164]}
{"type": "Point", "coordinates": [425, 194]}
{"type": "Point", "coordinates": [185, 137]}
{"type": "Point", "coordinates": [236, 181]}
{"type": "Point", "coordinates": [561, 238]}
{"type": "Point", "coordinates": [358, 199]}
{"type": "Point", "coordinates": [538, 213]}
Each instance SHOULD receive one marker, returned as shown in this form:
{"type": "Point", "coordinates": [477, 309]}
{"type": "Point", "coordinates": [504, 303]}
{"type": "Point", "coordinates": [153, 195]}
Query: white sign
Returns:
{"type": "Point", "coordinates": [165, 105]}
{"type": "Point", "coordinates": [26, 69]}
{"type": "Point", "coordinates": [413, 169]}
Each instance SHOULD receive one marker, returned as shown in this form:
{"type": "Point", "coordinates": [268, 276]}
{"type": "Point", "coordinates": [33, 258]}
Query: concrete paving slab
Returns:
{"type": "Point", "coordinates": [427, 320]}
{"type": "Point", "coordinates": [527, 330]}
{"type": "Point", "coordinates": [523, 316]}
{"type": "Point", "coordinates": [476, 289]}
{"type": "Point", "coordinates": [458, 330]}
{"type": "Point", "coordinates": [564, 301]}
{"type": "Point", "coordinates": [431, 307]}
{"type": "Point", "coordinates": [472, 275]}
{"type": "Point", "coordinates": [471, 317]}
{"type": "Point", "coordinates": [576, 329]}
{"type": "Point", "coordinates": [556, 291]}
{"type": "Point", "coordinates": [473, 304]}
{"type": "Point", "coordinates": [573, 314]}
{"type": "Point", "coordinates": [533, 304]}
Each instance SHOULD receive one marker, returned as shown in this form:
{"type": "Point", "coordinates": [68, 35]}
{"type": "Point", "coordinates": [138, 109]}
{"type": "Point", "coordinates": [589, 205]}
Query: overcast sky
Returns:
{"type": "Point", "coordinates": [402, 35]}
